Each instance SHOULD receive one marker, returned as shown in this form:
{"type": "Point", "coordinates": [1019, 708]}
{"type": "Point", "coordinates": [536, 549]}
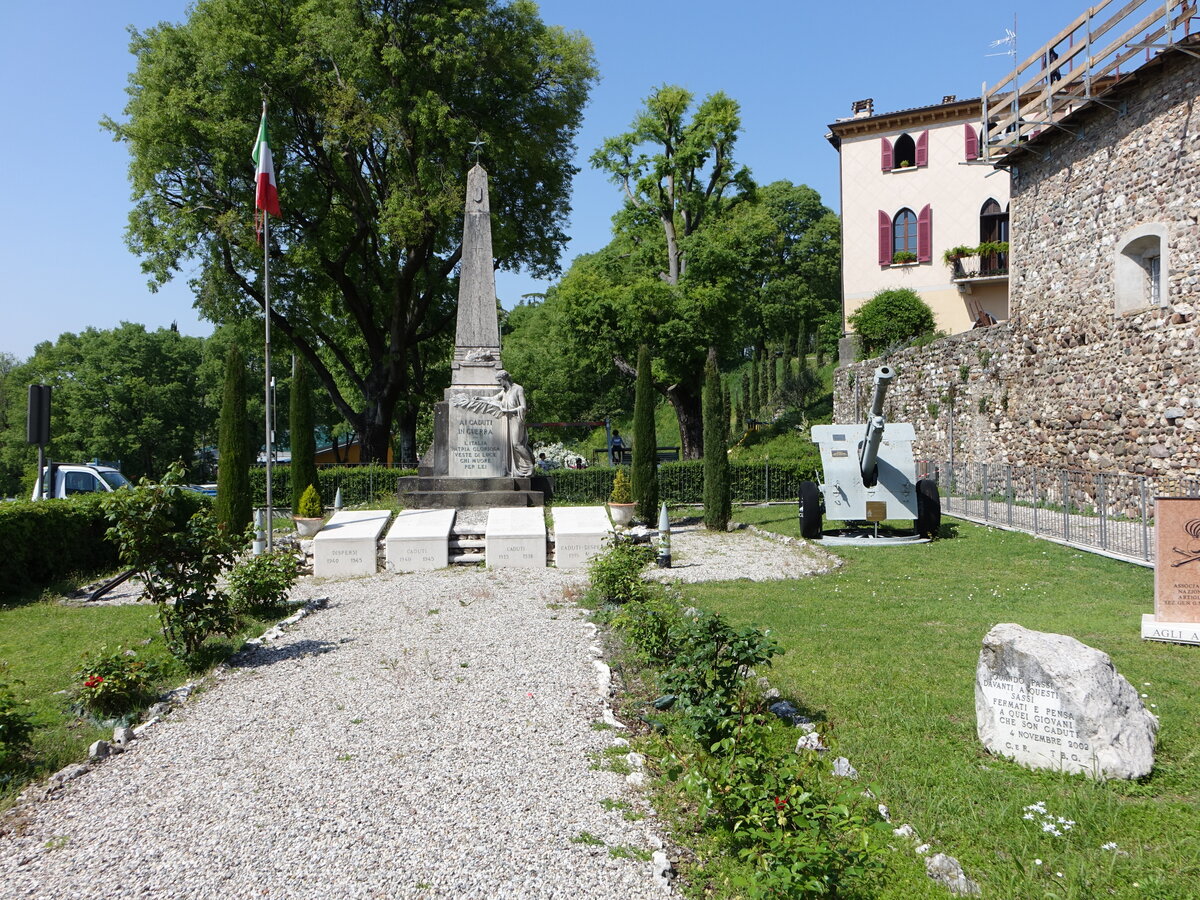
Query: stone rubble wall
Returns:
{"type": "Point", "coordinates": [1067, 382]}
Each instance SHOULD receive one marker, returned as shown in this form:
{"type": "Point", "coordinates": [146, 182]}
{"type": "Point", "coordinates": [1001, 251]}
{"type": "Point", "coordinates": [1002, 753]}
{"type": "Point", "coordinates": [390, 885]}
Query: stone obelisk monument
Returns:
{"type": "Point", "coordinates": [473, 452]}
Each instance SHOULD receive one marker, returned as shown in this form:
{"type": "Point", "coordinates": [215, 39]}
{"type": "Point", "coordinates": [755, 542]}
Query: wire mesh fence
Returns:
{"type": "Point", "coordinates": [1110, 512]}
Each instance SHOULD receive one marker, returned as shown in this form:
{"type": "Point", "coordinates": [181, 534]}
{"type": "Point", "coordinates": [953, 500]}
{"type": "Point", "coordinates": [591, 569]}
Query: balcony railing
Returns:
{"type": "Point", "coordinates": [990, 265]}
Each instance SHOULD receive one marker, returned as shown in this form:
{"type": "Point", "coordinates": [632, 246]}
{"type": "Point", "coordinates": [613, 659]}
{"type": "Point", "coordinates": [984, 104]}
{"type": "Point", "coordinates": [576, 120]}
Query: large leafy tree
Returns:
{"type": "Point", "coordinates": [372, 106]}
{"type": "Point", "coordinates": [122, 394]}
{"type": "Point", "coordinates": [677, 171]}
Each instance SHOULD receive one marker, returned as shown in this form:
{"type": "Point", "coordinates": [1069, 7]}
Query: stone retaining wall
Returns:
{"type": "Point", "coordinates": [1069, 382]}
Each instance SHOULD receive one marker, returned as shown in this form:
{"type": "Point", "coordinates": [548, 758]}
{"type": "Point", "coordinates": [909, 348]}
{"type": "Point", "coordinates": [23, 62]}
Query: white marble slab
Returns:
{"type": "Point", "coordinates": [1170, 632]}
{"type": "Point", "coordinates": [419, 539]}
{"type": "Point", "coordinates": [348, 544]}
{"type": "Point", "coordinates": [478, 444]}
{"type": "Point", "coordinates": [516, 537]}
{"type": "Point", "coordinates": [580, 532]}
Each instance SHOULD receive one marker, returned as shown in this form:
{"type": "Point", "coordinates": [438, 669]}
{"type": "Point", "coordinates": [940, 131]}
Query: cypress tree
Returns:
{"type": "Point", "coordinates": [772, 377]}
{"type": "Point", "coordinates": [716, 460]}
{"type": "Point", "coordinates": [726, 407]}
{"type": "Point", "coordinates": [764, 398]}
{"type": "Point", "coordinates": [645, 442]}
{"type": "Point", "coordinates": [820, 348]}
{"type": "Point", "coordinates": [752, 400]}
{"type": "Point", "coordinates": [300, 423]}
{"type": "Point", "coordinates": [233, 504]}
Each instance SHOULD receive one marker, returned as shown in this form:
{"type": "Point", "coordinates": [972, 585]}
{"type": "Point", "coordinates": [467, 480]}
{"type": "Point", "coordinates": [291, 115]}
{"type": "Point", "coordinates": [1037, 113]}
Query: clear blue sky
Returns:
{"type": "Point", "coordinates": [794, 67]}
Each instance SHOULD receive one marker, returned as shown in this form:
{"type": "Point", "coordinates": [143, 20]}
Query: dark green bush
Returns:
{"type": "Point", "coordinates": [261, 583]}
{"type": "Point", "coordinates": [616, 574]}
{"type": "Point", "coordinates": [111, 684]}
{"type": "Point", "coordinates": [891, 317]}
{"type": "Point", "coordinates": [359, 484]}
{"type": "Point", "coordinates": [48, 540]}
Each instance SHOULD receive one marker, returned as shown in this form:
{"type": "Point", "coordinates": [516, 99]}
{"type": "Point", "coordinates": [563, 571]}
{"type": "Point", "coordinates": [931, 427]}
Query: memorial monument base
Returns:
{"type": "Point", "coordinates": [445, 492]}
{"type": "Point", "coordinates": [1169, 632]}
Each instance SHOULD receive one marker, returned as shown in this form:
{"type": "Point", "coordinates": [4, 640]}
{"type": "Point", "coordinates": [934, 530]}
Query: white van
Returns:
{"type": "Point", "coordinates": [81, 478]}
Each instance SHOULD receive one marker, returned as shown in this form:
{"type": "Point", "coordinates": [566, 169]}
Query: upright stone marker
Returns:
{"type": "Point", "coordinates": [1050, 702]}
{"type": "Point", "coordinates": [1176, 572]}
{"type": "Point", "coordinates": [479, 428]}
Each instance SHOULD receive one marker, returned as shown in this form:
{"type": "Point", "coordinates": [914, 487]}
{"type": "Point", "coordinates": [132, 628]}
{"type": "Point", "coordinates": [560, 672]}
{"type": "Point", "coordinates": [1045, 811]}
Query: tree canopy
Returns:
{"type": "Point", "coordinates": [122, 394]}
{"type": "Point", "coordinates": [372, 107]}
{"type": "Point", "coordinates": [699, 258]}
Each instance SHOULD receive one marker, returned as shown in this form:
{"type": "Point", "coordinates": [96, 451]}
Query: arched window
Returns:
{"type": "Point", "coordinates": [904, 233]}
{"type": "Point", "coordinates": [993, 222]}
{"type": "Point", "coordinates": [904, 152]}
{"type": "Point", "coordinates": [1141, 268]}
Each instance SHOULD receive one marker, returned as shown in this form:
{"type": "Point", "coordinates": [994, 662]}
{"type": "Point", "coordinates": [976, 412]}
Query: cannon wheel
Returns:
{"type": "Point", "coordinates": [810, 510]}
{"type": "Point", "coordinates": [929, 508]}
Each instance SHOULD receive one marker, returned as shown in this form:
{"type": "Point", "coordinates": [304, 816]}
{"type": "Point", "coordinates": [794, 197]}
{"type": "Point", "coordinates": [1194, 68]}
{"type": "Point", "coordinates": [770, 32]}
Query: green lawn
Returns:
{"type": "Point", "coordinates": [883, 653]}
{"type": "Point", "coordinates": [44, 644]}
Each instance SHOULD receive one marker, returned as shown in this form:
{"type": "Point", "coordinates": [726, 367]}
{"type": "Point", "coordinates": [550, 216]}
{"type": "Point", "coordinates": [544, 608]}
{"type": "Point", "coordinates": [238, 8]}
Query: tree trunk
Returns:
{"type": "Point", "coordinates": [406, 433]}
{"type": "Point", "coordinates": [690, 413]}
{"type": "Point", "coordinates": [373, 441]}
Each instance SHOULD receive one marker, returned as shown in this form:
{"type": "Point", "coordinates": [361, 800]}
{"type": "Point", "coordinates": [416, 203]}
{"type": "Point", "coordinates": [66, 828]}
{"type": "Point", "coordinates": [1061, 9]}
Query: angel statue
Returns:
{"type": "Point", "coordinates": [509, 403]}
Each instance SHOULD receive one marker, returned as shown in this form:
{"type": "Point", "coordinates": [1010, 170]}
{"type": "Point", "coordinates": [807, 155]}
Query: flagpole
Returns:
{"type": "Point", "coordinates": [267, 355]}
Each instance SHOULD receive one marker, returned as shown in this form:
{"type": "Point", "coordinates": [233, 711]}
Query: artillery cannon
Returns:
{"type": "Point", "coordinates": [869, 474]}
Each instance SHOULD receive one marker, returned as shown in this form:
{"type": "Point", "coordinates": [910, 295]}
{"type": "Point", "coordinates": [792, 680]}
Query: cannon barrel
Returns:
{"type": "Point", "coordinates": [875, 423]}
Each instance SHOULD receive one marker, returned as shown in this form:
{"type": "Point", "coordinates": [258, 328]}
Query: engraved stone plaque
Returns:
{"type": "Point", "coordinates": [1177, 562]}
{"type": "Point", "coordinates": [478, 445]}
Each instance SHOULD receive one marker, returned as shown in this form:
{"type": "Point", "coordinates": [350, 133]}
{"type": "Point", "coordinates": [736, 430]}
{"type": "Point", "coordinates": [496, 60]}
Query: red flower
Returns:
{"type": "Point", "coordinates": [93, 681]}
{"type": "Point", "coordinates": [780, 803]}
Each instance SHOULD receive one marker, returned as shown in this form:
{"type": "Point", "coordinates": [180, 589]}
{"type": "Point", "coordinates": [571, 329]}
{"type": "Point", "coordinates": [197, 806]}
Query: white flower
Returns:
{"type": "Point", "coordinates": [1059, 874]}
{"type": "Point", "coordinates": [1028, 816]}
{"type": "Point", "coordinates": [1037, 862]}
{"type": "Point", "coordinates": [1111, 845]}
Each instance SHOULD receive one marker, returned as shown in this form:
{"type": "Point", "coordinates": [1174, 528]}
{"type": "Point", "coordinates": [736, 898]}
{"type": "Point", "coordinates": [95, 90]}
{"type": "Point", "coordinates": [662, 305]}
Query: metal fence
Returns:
{"type": "Point", "coordinates": [1109, 512]}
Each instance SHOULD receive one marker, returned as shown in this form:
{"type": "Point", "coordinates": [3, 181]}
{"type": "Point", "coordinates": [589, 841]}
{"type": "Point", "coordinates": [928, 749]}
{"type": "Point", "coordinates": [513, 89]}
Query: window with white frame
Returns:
{"type": "Point", "coordinates": [1141, 266]}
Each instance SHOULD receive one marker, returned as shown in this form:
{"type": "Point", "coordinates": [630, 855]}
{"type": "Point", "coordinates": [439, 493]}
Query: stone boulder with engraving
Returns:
{"type": "Point", "coordinates": [1051, 702]}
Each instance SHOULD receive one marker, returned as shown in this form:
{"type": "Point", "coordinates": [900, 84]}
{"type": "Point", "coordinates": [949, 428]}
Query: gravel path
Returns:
{"type": "Point", "coordinates": [425, 735]}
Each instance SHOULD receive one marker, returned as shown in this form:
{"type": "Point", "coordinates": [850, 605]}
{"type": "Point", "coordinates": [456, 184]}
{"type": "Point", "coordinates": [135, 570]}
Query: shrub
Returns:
{"type": "Point", "coordinates": [647, 625]}
{"type": "Point", "coordinates": [300, 426]}
{"type": "Point", "coordinates": [310, 506]}
{"type": "Point", "coordinates": [716, 459]}
{"type": "Point", "coordinates": [645, 442]}
{"type": "Point", "coordinates": [112, 684]}
{"type": "Point", "coordinates": [621, 491]}
{"type": "Point", "coordinates": [261, 583]}
{"type": "Point", "coordinates": [177, 556]}
{"type": "Point", "coordinates": [47, 540]}
{"type": "Point", "coordinates": [616, 575]}
{"type": "Point", "coordinates": [15, 727]}
{"type": "Point", "coordinates": [891, 317]}
{"type": "Point", "coordinates": [233, 503]}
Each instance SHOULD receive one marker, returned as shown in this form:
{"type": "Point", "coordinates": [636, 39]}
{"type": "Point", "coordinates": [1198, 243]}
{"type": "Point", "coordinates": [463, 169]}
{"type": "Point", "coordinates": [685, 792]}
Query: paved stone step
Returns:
{"type": "Point", "coordinates": [472, 499]}
{"type": "Point", "coordinates": [475, 543]}
{"type": "Point", "coordinates": [467, 559]}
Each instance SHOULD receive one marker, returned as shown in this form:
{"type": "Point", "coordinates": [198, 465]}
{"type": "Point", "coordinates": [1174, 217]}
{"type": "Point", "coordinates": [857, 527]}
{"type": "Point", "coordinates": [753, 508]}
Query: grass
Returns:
{"type": "Point", "coordinates": [882, 654]}
{"type": "Point", "coordinates": [44, 644]}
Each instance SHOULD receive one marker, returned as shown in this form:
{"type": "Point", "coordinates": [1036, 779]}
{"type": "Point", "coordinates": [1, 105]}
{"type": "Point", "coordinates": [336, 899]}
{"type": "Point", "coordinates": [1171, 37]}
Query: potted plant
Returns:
{"type": "Point", "coordinates": [309, 513]}
{"type": "Point", "coordinates": [903, 258]}
{"type": "Point", "coordinates": [620, 501]}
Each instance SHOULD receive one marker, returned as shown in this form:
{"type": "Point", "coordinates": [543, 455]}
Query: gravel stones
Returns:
{"type": "Point", "coordinates": [426, 735]}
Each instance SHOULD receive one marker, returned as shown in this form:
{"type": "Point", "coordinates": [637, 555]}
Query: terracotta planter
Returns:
{"type": "Point", "coordinates": [308, 527]}
{"type": "Point", "coordinates": [621, 513]}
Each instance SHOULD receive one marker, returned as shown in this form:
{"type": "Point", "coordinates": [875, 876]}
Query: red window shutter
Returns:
{"type": "Point", "coordinates": [971, 138]}
{"type": "Point", "coordinates": [885, 155]}
{"type": "Point", "coordinates": [885, 239]}
{"type": "Point", "coordinates": [925, 234]}
{"type": "Point", "coordinates": [923, 149]}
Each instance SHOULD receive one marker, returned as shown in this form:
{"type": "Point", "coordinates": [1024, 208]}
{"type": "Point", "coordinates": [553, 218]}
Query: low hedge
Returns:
{"type": "Point", "coordinates": [683, 482]}
{"type": "Point", "coordinates": [359, 484]}
{"type": "Point", "coordinates": [46, 541]}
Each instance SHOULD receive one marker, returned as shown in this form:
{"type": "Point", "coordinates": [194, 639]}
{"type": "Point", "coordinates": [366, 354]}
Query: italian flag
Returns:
{"type": "Point", "coordinates": [266, 196]}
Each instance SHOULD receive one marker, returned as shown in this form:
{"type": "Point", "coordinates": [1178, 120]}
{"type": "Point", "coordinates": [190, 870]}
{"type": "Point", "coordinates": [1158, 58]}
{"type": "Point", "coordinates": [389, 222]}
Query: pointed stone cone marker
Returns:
{"type": "Point", "coordinates": [664, 538]}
